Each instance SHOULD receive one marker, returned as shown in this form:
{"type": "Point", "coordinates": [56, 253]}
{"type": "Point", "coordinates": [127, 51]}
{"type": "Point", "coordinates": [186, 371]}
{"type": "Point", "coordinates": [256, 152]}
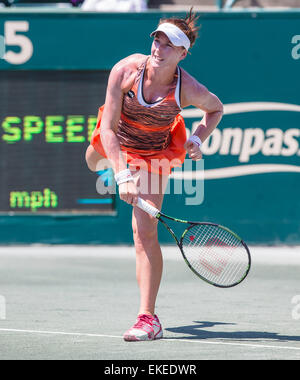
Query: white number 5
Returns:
{"type": "Point", "coordinates": [13, 39]}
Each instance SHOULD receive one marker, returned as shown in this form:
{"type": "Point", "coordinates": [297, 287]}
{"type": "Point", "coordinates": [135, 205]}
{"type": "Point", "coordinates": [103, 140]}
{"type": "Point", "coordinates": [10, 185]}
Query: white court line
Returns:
{"type": "Point", "coordinates": [60, 333]}
{"type": "Point", "coordinates": [273, 255]}
{"type": "Point", "coordinates": [164, 339]}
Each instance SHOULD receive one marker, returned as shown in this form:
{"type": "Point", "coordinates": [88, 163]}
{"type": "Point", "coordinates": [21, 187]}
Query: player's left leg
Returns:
{"type": "Point", "coordinates": [149, 261]}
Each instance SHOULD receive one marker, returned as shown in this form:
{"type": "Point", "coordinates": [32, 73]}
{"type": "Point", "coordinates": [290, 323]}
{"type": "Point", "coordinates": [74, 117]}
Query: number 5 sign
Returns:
{"type": "Point", "coordinates": [12, 37]}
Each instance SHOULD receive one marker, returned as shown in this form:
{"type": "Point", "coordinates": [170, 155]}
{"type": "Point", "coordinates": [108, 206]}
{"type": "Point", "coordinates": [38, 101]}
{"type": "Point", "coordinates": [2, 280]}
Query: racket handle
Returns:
{"type": "Point", "coordinates": [151, 210]}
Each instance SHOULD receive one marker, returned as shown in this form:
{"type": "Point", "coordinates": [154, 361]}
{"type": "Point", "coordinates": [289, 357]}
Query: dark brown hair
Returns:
{"type": "Point", "coordinates": [188, 25]}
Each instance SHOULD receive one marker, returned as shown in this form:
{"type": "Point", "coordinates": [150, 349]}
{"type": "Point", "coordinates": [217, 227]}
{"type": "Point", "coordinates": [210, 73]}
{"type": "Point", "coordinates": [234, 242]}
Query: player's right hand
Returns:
{"type": "Point", "coordinates": [128, 193]}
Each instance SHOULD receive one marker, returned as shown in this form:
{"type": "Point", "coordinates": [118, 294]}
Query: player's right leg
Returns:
{"type": "Point", "coordinates": [93, 159]}
{"type": "Point", "coordinates": [100, 165]}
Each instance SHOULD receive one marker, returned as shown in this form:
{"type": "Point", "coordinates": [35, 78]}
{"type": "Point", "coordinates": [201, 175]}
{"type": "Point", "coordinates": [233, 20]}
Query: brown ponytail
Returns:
{"type": "Point", "coordinates": [188, 25]}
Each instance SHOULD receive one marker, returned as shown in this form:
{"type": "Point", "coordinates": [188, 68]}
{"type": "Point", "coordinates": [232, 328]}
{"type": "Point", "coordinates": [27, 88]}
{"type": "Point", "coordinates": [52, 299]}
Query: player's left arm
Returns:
{"type": "Point", "coordinates": [197, 95]}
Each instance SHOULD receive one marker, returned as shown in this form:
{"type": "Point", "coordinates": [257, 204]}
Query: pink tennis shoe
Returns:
{"type": "Point", "coordinates": [146, 328]}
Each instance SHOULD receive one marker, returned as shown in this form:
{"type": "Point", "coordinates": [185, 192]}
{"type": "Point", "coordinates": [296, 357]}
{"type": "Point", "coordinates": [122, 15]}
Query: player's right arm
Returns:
{"type": "Point", "coordinates": [120, 81]}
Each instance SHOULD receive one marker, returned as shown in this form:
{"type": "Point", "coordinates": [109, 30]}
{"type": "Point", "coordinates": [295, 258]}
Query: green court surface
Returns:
{"type": "Point", "coordinates": [65, 302]}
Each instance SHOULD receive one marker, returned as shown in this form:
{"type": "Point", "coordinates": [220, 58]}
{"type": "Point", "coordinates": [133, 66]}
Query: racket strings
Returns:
{"type": "Point", "coordinates": [215, 254]}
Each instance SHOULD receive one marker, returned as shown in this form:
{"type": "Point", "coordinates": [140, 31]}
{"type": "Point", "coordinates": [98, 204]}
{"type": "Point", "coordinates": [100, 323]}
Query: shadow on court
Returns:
{"type": "Point", "coordinates": [198, 331]}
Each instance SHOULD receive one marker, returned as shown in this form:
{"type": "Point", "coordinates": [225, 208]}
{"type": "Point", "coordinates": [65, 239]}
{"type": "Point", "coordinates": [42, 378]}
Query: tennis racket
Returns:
{"type": "Point", "coordinates": [213, 252]}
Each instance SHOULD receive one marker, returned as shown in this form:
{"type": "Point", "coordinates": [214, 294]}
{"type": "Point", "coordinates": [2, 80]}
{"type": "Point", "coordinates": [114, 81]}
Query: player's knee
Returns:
{"type": "Point", "coordinates": [145, 230]}
{"type": "Point", "coordinates": [88, 159]}
{"type": "Point", "coordinates": [94, 160]}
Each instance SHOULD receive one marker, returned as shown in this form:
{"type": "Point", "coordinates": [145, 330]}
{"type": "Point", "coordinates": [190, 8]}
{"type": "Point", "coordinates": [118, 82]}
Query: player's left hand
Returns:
{"type": "Point", "coordinates": [193, 150]}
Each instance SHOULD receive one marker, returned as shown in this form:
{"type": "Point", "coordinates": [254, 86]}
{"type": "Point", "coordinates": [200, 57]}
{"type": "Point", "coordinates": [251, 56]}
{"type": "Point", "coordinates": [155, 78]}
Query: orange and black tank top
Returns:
{"type": "Point", "coordinates": [147, 126]}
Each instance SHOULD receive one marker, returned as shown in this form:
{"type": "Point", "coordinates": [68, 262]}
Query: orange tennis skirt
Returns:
{"type": "Point", "coordinates": [159, 162]}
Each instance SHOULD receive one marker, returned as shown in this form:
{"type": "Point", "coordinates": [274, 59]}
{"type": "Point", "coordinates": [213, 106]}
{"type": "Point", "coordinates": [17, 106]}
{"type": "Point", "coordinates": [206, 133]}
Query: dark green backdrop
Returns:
{"type": "Point", "coordinates": [250, 60]}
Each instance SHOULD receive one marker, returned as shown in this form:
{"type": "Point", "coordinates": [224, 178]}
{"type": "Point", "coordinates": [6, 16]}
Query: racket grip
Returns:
{"type": "Point", "coordinates": [151, 210]}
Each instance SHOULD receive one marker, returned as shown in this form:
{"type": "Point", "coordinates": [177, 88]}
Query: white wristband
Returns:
{"type": "Point", "coordinates": [196, 140]}
{"type": "Point", "coordinates": [123, 176]}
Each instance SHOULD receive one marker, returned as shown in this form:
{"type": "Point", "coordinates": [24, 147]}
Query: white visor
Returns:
{"type": "Point", "coordinates": [175, 34]}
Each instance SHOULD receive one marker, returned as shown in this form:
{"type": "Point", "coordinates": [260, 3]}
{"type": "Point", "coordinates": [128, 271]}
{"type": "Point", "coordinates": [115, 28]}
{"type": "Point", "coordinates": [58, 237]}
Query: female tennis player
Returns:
{"type": "Point", "coordinates": [140, 126]}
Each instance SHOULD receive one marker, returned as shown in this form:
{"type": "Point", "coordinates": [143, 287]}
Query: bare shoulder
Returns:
{"type": "Point", "coordinates": [123, 73]}
{"type": "Point", "coordinates": [190, 88]}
